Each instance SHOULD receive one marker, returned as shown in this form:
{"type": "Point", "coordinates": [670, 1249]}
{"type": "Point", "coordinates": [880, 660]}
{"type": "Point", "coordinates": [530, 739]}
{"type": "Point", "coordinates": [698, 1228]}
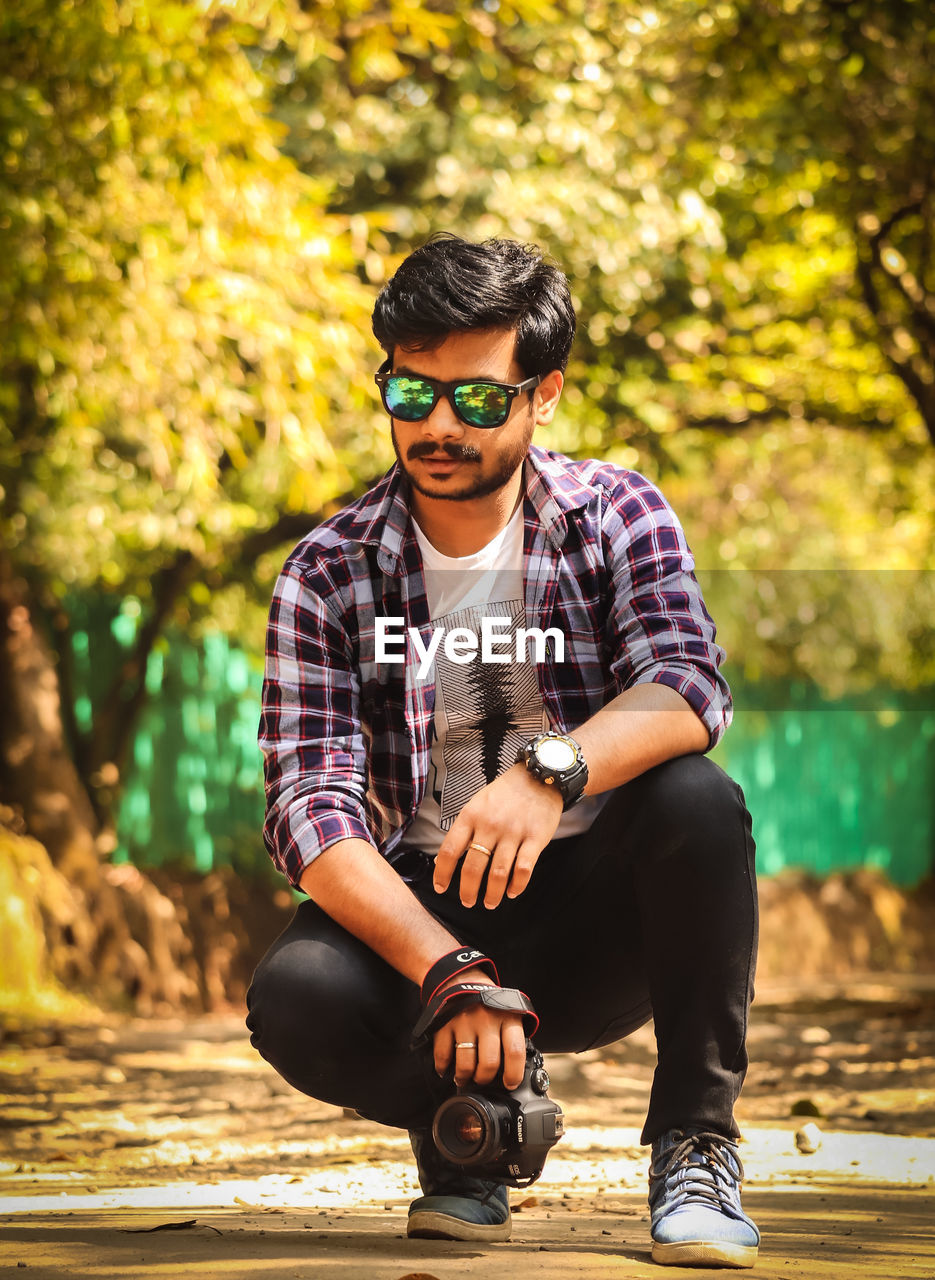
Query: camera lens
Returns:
{"type": "Point", "coordinates": [466, 1130]}
{"type": "Point", "coordinates": [469, 1131]}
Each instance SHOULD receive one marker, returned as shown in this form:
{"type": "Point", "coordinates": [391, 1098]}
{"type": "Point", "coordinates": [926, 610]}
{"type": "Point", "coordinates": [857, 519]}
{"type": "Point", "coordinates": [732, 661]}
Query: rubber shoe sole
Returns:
{"type": "Point", "coordinates": [429, 1224]}
{"type": "Point", "coordinates": [705, 1253]}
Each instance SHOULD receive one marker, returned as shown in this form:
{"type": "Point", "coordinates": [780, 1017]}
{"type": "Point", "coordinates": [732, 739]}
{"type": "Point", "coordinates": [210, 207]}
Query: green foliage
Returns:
{"type": "Point", "coordinates": [735, 193]}
{"type": "Point", "coordinates": [183, 325]}
{"type": "Point", "coordinates": [709, 176]}
{"type": "Point", "coordinates": [198, 202]}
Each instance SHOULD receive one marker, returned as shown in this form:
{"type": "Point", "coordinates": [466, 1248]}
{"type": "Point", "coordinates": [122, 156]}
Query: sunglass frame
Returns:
{"type": "Point", "coordinates": [448, 389]}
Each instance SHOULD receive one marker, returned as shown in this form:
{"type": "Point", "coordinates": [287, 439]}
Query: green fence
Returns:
{"type": "Point", "coordinates": [193, 785]}
{"type": "Point", "coordinates": [830, 785]}
{"type": "Point", "coordinates": [837, 786]}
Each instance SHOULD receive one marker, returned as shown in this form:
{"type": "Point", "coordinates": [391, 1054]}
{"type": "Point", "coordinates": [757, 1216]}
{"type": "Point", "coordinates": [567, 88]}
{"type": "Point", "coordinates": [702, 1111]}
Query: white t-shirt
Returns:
{"type": "Point", "coordinates": [484, 711]}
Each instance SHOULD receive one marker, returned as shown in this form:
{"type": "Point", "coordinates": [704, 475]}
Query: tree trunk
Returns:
{"type": "Point", "coordinates": [108, 929]}
{"type": "Point", "coordinates": [38, 779]}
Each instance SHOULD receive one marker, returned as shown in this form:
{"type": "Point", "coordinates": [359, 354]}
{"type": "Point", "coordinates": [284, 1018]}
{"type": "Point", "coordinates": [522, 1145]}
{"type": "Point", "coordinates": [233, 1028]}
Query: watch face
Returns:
{"type": "Point", "coordinates": [556, 753]}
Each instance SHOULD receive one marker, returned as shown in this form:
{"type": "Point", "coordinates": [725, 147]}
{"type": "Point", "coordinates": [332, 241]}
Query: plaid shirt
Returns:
{"type": "Point", "coordinates": [347, 740]}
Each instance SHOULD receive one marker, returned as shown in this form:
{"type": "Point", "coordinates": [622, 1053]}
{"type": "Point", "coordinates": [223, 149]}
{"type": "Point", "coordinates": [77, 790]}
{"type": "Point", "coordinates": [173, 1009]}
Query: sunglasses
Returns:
{"type": "Point", "coordinates": [476, 401]}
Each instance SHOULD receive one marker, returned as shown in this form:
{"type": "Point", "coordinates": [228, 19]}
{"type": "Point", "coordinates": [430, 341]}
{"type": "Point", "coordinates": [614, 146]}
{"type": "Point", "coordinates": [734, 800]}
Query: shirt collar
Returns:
{"type": "Point", "coordinates": [551, 484]}
{"type": "Point", "coordinates": [555, 489]}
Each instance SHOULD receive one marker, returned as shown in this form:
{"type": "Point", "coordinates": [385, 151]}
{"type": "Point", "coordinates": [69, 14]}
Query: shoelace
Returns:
{"type": "Point", "coordinates": [713, 1181]}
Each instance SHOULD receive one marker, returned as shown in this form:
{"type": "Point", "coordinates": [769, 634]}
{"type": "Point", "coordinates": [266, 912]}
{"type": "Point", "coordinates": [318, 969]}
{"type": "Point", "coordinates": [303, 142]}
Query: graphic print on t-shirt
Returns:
{"type": "Point", "coordinates": [491, 708]}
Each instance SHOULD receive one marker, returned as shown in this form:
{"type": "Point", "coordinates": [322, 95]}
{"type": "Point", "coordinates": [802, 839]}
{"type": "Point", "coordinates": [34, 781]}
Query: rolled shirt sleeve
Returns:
{"type": "Point", "coordinates": [310, 735]}
{"type": "Point", "coordinates": [663, 632]}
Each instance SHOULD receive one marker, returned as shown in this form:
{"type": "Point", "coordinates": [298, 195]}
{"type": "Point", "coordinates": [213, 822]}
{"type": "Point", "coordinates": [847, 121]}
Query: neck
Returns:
{"type": "Point", "coordinates": [461, 528]}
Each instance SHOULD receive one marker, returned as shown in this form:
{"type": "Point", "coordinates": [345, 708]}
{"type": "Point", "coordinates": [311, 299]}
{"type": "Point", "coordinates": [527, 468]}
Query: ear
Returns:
{"type": "Point", "coordinates": [547, 395]}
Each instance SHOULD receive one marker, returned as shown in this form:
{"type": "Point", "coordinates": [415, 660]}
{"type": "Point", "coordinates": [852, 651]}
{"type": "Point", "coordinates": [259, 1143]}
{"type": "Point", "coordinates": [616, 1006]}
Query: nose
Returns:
{"type": "Point", "coordinates": [442, 423]}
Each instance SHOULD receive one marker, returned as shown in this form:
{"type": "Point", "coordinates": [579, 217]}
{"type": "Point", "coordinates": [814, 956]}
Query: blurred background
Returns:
{"type": "Point", "coordinates": [198, 203]}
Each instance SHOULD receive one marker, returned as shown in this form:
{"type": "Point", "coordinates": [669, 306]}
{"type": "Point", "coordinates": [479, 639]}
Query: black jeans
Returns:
{"type": "Point", "coordinates": [652, 912]}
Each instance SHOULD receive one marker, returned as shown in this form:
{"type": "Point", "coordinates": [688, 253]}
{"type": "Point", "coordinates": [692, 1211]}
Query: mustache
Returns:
{"type": "Point", "coordinates": [458, 452]}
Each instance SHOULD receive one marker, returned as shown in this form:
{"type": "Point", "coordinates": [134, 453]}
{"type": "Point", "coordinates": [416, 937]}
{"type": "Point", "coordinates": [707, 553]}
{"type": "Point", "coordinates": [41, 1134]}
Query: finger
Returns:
{"type": "Point", "coordinates": [501, 864]}
{"type": "Point", "coordinates": [444, 1048]}
{"type": "Point", "coordinates": [474, 864]}
{"type": "Point", "coordinates": [488, 1056]}
{"type": "Point", "coordinates": [513, 1039]}
{"type": "Point", "coordinates": [523, 867]}
{"type": "Point", "coordinates": [445, 863]}
{"type": "Point", "coordinates": [465, 1060]}
{"type": "Point", "coordinates": [449, 853]}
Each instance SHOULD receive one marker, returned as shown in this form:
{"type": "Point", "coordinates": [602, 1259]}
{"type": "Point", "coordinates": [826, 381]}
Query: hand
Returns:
{"type": "Point", "coordinates": [495, 1037]}
{"type": "Point", "coordinates": [515, 817]}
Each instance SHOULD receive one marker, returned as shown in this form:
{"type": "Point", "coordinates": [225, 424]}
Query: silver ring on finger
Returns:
{"type": "Point", "coordinates": [465, 1044]}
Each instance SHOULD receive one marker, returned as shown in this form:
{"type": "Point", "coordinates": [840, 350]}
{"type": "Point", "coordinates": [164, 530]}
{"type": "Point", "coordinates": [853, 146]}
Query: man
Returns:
{"type": "Point", "coordinates": [543, 809]}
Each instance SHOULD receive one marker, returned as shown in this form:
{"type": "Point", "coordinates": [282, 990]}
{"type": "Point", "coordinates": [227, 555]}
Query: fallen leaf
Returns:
{"type": "Point", "coordinates": [808, 1139]}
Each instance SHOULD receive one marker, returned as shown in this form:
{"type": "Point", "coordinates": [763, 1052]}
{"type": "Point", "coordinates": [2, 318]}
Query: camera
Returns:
{"type": "Point", "coordinates": [501, 1134]}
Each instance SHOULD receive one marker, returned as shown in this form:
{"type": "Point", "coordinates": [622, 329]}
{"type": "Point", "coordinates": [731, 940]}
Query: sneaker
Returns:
{"type": "Point", "coordinates": [694, 1196]}
{"type": "Point", "coordinates": [455, 1205]}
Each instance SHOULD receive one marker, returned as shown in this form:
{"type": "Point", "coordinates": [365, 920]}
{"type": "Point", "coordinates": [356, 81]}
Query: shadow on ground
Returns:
{"type": "Point", "coordinates": [141, 1149]}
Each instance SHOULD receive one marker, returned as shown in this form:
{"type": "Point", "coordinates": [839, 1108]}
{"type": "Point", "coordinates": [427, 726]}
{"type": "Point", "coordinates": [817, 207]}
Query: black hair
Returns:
{"type": "Point", "coordinates": [450, 285]}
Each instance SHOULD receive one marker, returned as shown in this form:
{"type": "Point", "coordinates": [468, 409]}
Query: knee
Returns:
{"type": "Point", "coordinates": [294, 987]}
{"type": "Point", "coordinates": [691, 798]}
{"type": "Point", "coordinates": [307, 1001]}
{"type": "Point", "coordinates": [693, 785]}
{"type": "Point", "coordinates": [283, 996]}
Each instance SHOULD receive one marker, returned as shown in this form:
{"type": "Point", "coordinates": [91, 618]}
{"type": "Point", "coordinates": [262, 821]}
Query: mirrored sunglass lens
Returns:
{"type": "Point", "coordinates": [481, 403]}
{"type": "Point", "coordinates": [409, 398]}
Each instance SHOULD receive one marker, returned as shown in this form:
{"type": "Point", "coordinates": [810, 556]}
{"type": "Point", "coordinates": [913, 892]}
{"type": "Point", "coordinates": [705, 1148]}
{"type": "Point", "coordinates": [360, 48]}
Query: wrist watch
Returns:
{"type": "Point", "coordinates": [556, 760]}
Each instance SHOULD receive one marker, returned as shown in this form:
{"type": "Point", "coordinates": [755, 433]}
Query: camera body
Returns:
{"type": "Point", "coordinates": [500, 1134]}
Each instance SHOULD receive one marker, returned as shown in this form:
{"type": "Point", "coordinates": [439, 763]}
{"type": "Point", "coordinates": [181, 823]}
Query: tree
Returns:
{"type": "Point", "coordinates": [707, 177]}
{"type": "Point", "coordinates": [839, 94]}
{"type": "Point", "coordinates": [181, 321]}
{"type": "Point", "coordinates": [198, 203]}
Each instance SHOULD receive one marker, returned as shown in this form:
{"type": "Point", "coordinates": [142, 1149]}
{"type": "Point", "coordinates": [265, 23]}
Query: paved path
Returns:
{"type": "Point", "coordinates": [112, 1131]}
{"type": "Point", "coordinates": [836, 1232]}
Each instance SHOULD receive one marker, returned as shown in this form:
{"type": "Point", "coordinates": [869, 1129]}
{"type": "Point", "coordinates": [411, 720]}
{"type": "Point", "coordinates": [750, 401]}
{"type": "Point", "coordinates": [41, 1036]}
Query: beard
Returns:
{"type": "Point", "coordinates": [503, 466]}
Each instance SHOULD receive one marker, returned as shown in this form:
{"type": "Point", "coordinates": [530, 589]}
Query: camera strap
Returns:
{"type": "Point", "coordinates": [443, 1006]}
{"type": "Point", "coordinates": [455, 962]}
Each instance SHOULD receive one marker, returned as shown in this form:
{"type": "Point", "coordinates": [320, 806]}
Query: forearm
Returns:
{"type": "Point", "coordinates": [642, 727]}
{"type": "Point", "coordinates": [358, 888]}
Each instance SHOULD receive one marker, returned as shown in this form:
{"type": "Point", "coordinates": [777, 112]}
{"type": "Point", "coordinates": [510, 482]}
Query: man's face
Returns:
{"type": "Point", "coordinates": [442, 456]}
